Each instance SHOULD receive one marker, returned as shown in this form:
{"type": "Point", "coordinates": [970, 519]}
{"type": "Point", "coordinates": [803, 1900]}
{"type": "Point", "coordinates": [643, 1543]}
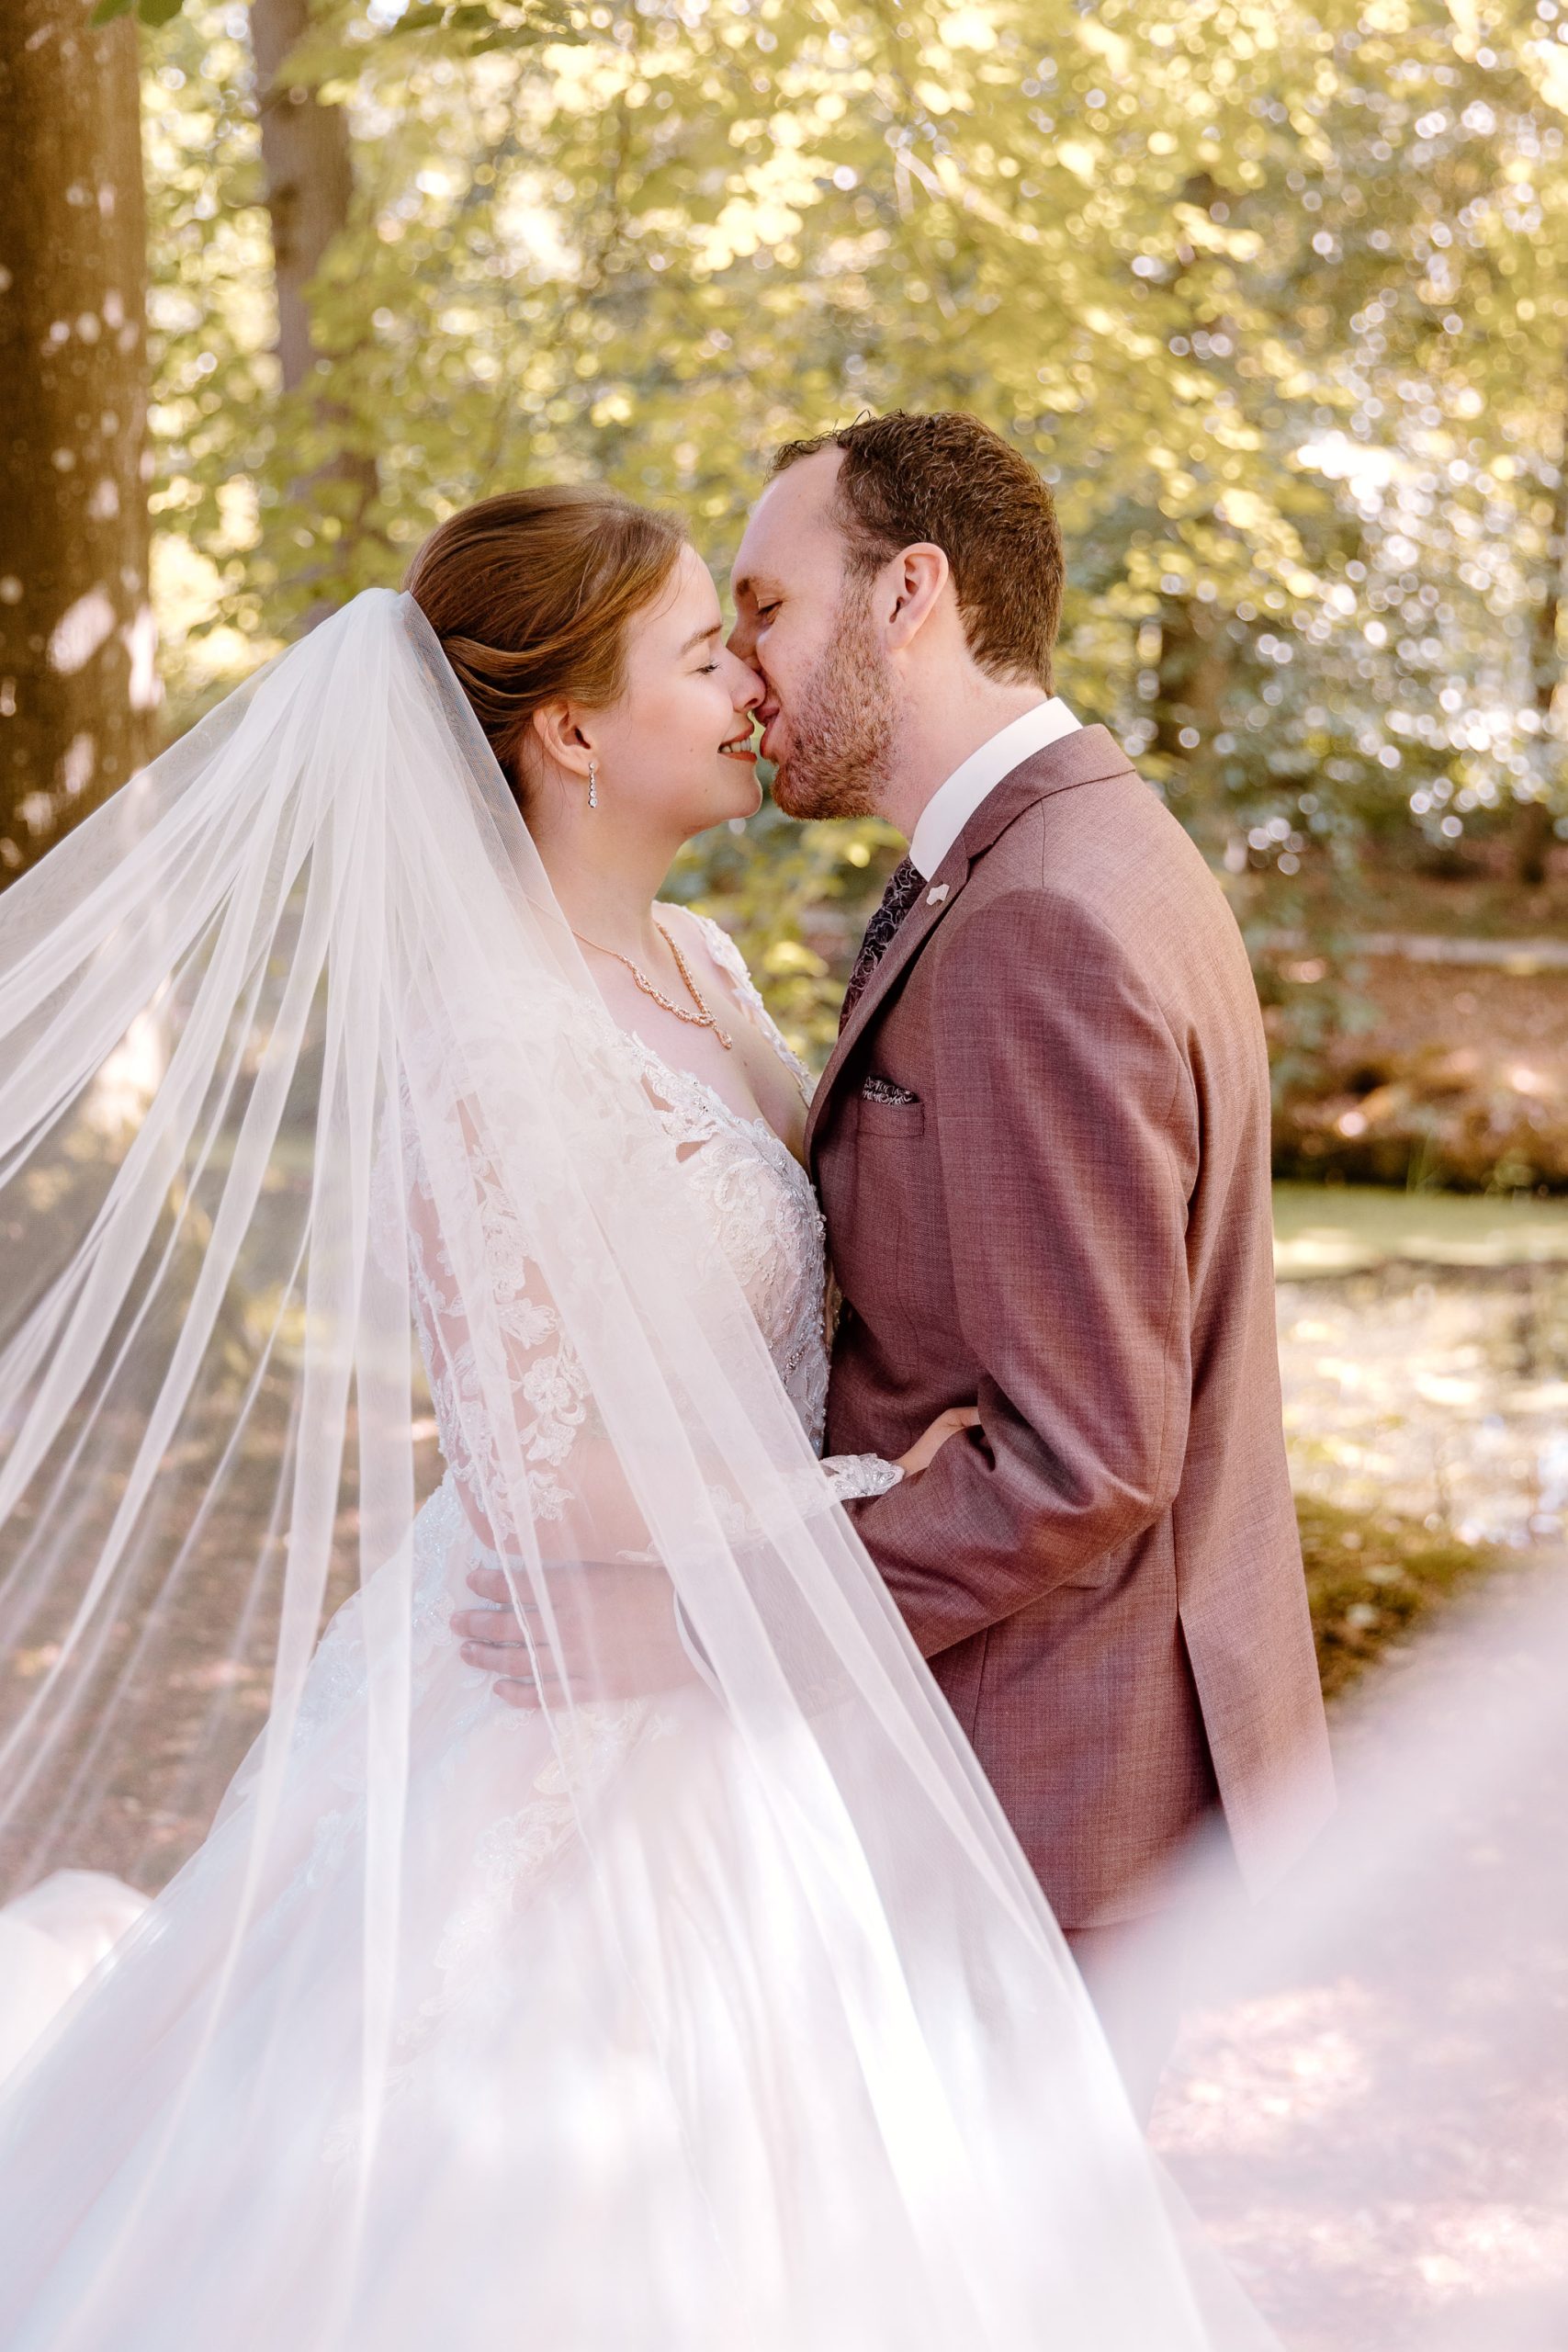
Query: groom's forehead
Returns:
{"type": "Point", "coordinates": [795, 512]}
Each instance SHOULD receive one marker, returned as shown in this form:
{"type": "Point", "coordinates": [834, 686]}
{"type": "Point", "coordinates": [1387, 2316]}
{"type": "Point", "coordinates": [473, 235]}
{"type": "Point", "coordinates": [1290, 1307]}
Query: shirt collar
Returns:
{"type": "Point", "coordinates": [953, 804]}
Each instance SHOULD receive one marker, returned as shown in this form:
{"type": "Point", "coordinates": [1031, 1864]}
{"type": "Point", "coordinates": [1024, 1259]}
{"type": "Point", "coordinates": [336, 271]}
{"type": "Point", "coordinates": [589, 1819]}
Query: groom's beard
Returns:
{"type": "Point", "coordinates": [844, 724]}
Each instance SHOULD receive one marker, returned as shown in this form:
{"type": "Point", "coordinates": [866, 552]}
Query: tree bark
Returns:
{"type": "Point", "coordinates": [1533, 825]}
{"type": "Point", "coordinates": [1194, 674]}
{"type": "Point", "coordinates": [78, 686]}
{"type": "Point", "coordinates": [310, 177]}
{"type": "Point", "coordinates": [309, 168]}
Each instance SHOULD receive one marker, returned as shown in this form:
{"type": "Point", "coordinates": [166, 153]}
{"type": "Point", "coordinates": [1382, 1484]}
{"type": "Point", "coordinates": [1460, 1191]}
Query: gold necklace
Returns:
{"type": "Point", "coordinates": [701, 1019]}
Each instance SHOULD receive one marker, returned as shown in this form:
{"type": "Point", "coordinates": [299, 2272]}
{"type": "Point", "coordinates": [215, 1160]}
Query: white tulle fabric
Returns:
{"type": "Point", "coordinates": [709, 2004]}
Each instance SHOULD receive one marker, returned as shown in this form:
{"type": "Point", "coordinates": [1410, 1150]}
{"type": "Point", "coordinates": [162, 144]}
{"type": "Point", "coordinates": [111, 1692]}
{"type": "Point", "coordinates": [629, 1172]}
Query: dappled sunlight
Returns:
{"type": "Point", "coordinates": [1368, 2105]}
{"type": "Point", "coordinates": [1424, 1351]}
{"type": "Point", "coordinates": [1249, 2078]}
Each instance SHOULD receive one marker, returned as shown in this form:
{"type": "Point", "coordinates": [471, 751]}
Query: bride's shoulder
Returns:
{"type": "Point", "coordinates": [691, 929]}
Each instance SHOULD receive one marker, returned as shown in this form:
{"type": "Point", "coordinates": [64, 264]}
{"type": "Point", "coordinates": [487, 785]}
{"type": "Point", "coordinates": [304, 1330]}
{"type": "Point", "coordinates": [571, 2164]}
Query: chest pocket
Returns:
{"type": "Point", "coordinates": [875, 1116]}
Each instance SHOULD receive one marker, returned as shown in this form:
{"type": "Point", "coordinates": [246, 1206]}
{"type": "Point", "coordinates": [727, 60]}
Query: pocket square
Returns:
{"type": "Point", "coordinates": [883, 1090]}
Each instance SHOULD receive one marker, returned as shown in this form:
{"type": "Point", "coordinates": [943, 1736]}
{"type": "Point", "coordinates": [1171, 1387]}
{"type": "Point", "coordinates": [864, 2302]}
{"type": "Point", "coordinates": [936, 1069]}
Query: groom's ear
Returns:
{"type": "Point", "coordinates": [916, 581]}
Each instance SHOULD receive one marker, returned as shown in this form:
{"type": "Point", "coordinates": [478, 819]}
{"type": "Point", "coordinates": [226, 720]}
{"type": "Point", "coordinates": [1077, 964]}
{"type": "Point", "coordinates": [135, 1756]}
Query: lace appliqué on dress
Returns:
{"type": "Point", "coordinates": [758, 1199]}
{"type": "Point", "coordinates": [857, 1477]}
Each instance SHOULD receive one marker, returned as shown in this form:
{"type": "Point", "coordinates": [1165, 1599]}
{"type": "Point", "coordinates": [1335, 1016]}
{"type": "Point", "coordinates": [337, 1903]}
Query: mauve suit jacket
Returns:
{"type": "Point", "coordinates": [1070, 1222]}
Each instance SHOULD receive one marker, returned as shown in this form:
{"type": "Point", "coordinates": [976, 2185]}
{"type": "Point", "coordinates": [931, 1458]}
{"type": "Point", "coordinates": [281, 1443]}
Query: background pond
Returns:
{"type": "Point", "coordinates": [1424, 1348]}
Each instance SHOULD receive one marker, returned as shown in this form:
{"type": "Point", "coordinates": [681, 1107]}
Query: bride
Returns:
{"type": "Point", "coordinates": [699, 1998]}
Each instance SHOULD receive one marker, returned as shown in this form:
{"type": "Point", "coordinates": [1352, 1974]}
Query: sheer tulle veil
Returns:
{"type": "Point", "coordinates": [767, 2037]}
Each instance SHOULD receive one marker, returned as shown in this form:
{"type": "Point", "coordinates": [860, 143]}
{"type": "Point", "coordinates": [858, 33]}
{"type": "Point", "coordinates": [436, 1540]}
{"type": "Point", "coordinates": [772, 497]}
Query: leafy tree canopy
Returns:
{"type": "Point", "coordinates": [1274, 294]}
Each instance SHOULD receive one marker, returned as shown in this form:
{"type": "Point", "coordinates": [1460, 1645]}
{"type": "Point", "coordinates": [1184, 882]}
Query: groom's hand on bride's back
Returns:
{"type": "Point", "coordinates": [609, 1633]}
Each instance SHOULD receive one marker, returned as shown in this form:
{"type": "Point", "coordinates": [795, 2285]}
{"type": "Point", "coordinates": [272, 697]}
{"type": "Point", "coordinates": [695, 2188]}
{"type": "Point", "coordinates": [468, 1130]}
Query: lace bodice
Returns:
{"type": "Point", "coordinates": [759, 1205]}
{"type": "Point", "coordinates": [757, 1198]}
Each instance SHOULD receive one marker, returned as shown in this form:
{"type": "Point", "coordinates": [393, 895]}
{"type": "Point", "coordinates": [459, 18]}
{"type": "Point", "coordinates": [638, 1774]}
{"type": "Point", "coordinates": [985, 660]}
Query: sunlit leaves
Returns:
{"type": "Point", "coordinates": [1272, 294]}
{"type": "Point", "coordinates": [149, 12]}
{"type": "Point", "coordinates": [474, 26]}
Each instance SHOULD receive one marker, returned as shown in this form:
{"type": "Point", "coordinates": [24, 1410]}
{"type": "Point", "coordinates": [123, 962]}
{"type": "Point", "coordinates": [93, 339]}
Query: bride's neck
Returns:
{"type": "Point", "coordinates": [604, 883]}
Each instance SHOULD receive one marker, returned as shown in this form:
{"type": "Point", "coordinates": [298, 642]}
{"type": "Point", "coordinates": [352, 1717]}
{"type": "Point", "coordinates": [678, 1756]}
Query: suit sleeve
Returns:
{"type": "Point", "coordinates": [1067, 1126]}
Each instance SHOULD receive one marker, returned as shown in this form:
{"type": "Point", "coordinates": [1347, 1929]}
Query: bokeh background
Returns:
{"type": "Point", "coordinates": [1274, 294]}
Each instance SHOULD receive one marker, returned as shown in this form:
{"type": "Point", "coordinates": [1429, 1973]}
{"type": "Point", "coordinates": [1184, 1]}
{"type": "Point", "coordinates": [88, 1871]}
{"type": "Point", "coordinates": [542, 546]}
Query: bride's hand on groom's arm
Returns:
{"type": "Point", "coordinates": [924, 1451]}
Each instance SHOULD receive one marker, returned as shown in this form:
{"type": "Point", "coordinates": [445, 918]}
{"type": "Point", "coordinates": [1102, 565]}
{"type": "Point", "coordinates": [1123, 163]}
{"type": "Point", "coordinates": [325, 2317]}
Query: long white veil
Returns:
{"type": "Point", "coordinates": [710, 2005]}
{"type": "Point", "coordinates": [1370, 2110]}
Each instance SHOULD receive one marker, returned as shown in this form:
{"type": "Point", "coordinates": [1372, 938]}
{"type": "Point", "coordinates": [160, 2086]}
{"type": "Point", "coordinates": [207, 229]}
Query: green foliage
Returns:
{"type": "Point", "coordinates": [156, 13]}
{"type": "Point", "coordinates": [1371, 1577]}
{"type": "Point", "coordinates": [1274, 295]}
{"type": "Point", "coordinates": [211, 321]}
{"type": "Point", "coordinates": [474, 26]}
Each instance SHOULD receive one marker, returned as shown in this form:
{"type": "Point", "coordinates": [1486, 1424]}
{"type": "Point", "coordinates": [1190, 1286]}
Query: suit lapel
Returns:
{"type": "Point", "coordinates": [1085, 757]}
{"type": "Point", "coordinates": [911, 935]}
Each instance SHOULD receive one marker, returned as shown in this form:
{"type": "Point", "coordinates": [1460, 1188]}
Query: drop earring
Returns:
{"type": "Point", "coordinates": [593, 783]}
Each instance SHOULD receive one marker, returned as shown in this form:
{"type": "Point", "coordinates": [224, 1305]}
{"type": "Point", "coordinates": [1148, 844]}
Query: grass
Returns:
{"type": "Point", "coordinates": [1370, 1578]}
{"type": "Point", "coordinates": [1335, 1230]}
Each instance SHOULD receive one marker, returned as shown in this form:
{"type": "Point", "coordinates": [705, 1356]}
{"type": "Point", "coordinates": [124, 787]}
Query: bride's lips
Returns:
{"type": "Point", "coordinates": [739, 747]}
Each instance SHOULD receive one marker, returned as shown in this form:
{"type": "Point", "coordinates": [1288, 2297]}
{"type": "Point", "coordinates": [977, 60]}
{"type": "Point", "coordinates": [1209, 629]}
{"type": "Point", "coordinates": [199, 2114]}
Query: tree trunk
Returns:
{"type": "Point", "coordinates": [78, 686]}
{"type": "Point", "coordinates": [1532, 819]}
{"type": "Point", "coordinates": [310, 177]}
{"type": "Point", "coordinates": [1194, 674]}
{"type": "Point", "coordinates": [309, 168]}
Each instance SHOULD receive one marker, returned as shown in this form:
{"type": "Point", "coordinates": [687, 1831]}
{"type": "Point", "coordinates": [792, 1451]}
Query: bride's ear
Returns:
{"type": "Point", "coordinates": [557, 729]}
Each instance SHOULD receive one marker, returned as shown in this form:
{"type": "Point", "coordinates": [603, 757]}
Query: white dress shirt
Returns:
{"type": "Point", "coordinates": [953, 804]}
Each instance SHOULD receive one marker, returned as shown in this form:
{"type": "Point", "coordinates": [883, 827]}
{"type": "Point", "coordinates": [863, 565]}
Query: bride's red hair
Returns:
{"type": "Point", "coordinates": [531, 593]}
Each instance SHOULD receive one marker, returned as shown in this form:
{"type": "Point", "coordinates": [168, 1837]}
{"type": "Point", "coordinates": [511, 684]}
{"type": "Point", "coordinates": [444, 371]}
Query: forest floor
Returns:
{"type": "Point", "coordinates": [1372, 1577]}
{"type": "Point", "coordinates": [1471, 893]}
{"type": "Point", "coordinates": [1418, 1020]}
{"type": "Point", "coordinates": [1368, 2105]}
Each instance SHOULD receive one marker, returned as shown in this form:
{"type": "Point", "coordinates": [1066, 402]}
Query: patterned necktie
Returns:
{"type": "Point", "coordinates": [903, 888]}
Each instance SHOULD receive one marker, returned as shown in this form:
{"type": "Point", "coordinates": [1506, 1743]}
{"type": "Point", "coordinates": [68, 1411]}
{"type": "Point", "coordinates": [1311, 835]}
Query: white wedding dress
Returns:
{"type": "Point", "coordinates": [720, 2016]}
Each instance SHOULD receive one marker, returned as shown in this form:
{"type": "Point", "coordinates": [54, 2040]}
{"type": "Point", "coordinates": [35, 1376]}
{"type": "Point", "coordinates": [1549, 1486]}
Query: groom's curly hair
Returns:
{"type": "Point", "coordinates": [949, 480]}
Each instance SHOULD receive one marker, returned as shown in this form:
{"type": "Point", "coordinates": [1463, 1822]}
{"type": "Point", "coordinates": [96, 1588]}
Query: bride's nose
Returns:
{"type": "Point", "coordinates": [746, 687]}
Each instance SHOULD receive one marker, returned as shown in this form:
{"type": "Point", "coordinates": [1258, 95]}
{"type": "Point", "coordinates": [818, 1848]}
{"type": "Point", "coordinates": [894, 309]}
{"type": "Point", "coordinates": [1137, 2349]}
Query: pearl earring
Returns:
{"type": "Point", "coordinates": [593, 783]}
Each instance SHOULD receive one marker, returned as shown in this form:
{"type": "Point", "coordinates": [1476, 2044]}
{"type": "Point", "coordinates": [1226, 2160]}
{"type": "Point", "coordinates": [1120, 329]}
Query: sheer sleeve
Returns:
{"type": "Point", "coordinates": [730, 959]}
{"type": "Point", "coordinates": [544, 1491]}
{"type": "Point", "coordinates": [538, 1368]}
{"type": "Point", "coordinates": [543, 1373]}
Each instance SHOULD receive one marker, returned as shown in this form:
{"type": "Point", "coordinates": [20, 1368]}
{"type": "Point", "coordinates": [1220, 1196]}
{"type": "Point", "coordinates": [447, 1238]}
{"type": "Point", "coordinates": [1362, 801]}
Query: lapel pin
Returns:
{"type": "Point", "coordinates": [934, 897]}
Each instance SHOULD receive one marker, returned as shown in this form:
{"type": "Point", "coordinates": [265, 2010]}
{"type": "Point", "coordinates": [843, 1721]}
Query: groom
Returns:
{"type": "Point", "coordinates": [1042, 1144]}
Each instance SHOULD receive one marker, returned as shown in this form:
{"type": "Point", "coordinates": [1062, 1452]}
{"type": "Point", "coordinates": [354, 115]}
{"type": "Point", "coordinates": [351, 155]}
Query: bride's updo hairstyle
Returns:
{"type": "Point", "coordinates": [531, 594]}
